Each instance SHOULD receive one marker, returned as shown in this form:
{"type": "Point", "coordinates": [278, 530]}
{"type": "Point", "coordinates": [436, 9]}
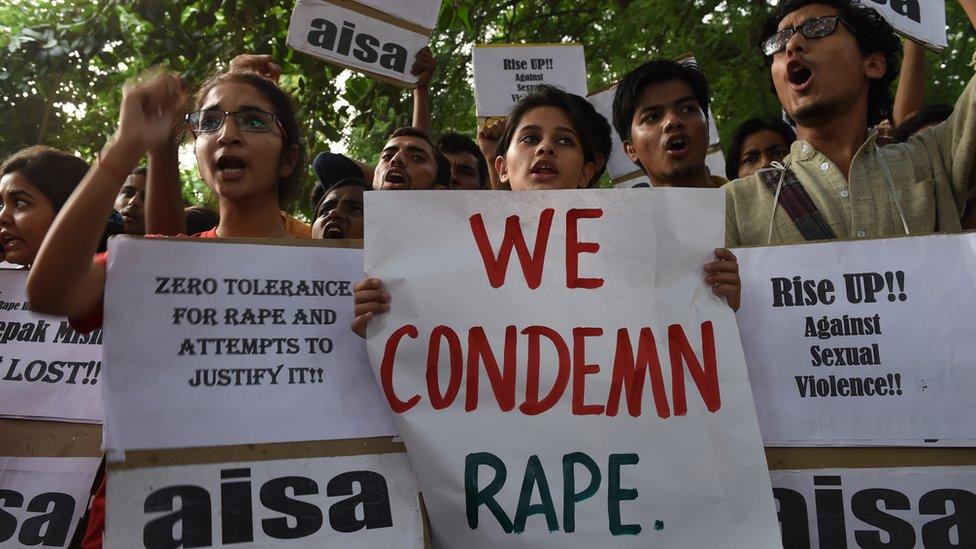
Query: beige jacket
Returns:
{"type": "Point", "coordinates": [932, 174]}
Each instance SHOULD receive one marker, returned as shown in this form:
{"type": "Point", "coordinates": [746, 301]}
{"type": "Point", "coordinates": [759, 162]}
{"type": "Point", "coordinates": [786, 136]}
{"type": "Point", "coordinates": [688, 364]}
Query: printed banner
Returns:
{"type": "Point", "coordinates": [367, 501]}
{"type": "Point", "coordinates": [355, 40]}
{"type": "Point", "coordinates": [418, 12]}
{"type": "Point", "coordinates": [505, 72]}
{"type": "Point", "coordinates": [47, 370]}
{"type": "Point", "coordinates": [862, 343]}
{"type": "Point", "coordinates": [42, 499]}
{"type": "Point", "coordinates": [923, 20]}
{"type": "Point", "coordinates": [586, 390]}
{"type": "Point", "coordinates": [249, 343]}
{"type": "Point", "coordinates": [925, 507]}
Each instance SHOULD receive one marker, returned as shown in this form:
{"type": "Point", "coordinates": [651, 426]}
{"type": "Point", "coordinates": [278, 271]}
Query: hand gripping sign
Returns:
{"type": "Point", "coordinates": [558, 385]}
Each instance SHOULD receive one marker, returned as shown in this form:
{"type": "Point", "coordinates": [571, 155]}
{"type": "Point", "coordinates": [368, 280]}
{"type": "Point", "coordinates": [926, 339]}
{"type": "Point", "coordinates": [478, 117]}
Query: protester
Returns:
{"type": "Point", "coordinates": [756, 144]}
{"type": "Point", "coordinates": [599, 129]}
{"type": "Point", "coordinates": [832, 63]}
{"type": "Point", "coordinates": [469, 169]}
{"type": "Point", "coordinates": [338, 211]}
{"type": "Point", "coordinates": [242, 120]}
{"type": "Point", "coordinates": [34, 184]}
{"type": "Point", "coordinates": [131, 201]}
{"type": "Point", "coordinates": [660, 111]}
{"type": "Point", "coordinates": [545, 145]}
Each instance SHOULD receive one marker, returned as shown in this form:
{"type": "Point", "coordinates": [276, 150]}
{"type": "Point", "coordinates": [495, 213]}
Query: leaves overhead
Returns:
{"type": "Point", "coordinates": [63, 62]}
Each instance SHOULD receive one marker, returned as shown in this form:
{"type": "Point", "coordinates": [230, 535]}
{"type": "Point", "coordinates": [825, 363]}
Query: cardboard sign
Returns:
{"type": "Point", "coordinates": [863, 343]}
{"type": "Point", "coordinates": [560, 386]}
{"type": "Point", "coordinates": [505, 72]}
{"type": "Point", "coordinates": [922, 20]}
{"type": "Point", "coordinates": [47, 370]}
{"type": "Point", "coordinates": [418, 12]}
{"type": "Point", "coordinates": [366, 501]}
{"type": "Point", "coordinates": [715, 161]}
{"type": "Point", "coordinates": [619, 165]}
{"type": "Point", "coordinates": [42, 499]}
{"type": "Point", "coordinates": [213, 343]}
{"type": "Point", "coordinates": [899, 507]}
{"type": "Point", "coordinates": [359, 39]}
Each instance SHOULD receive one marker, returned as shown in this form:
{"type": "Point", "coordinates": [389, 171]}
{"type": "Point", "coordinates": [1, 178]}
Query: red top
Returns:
{"type": "Point", "coordinates": [96, 518]}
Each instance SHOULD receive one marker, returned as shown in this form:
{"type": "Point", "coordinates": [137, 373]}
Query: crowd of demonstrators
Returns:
{"type": "Point", "coordinates": [831, 63]}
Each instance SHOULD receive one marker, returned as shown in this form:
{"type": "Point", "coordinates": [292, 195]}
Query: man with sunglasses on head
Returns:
{"type": "Point", "coordinates": [832, 63]}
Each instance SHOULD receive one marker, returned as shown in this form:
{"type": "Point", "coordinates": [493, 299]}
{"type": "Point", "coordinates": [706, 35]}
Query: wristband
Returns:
{"type": "Point", "coordinates": [110, 169]}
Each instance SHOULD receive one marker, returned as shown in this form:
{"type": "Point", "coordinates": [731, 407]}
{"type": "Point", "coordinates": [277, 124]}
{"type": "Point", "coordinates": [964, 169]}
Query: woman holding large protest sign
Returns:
{"type": "Point", "coordinates": [242, 120]}
{"type": "Point", "coordinates": [546, 146]}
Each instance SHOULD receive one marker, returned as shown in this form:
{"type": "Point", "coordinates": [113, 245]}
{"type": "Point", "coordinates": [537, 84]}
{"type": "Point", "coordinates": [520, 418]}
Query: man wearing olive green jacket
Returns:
{"type": "Point", "coordinates": [832, 65]}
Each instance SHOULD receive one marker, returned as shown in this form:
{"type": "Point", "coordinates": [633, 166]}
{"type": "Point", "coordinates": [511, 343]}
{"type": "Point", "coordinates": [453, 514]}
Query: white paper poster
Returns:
{"type": "Point", "coordinates": [619, 164]}
{"type": "Point", "coordinates": [924, 507]}
{"type": "Point", "coordinates": [559, 386]}
{"type": "Point", "coordinates": [418, 12]}
{"type": "Point", "coordinates": [211, 344]}
{"type": "Point", "coordinates": [505, 72]}
{"type": "Point", "coordinates": [47, 370]}
{"type": "Point", "coordinates": [352, 39]}
{"type": "Point", "coordinates": [367, 501]}
{"type": "Point", "coordinates": [42, 499]}
{"type": "Point", "coordinates": [867, 343]}
{"type": "Point", "coordinates": [923, 20]}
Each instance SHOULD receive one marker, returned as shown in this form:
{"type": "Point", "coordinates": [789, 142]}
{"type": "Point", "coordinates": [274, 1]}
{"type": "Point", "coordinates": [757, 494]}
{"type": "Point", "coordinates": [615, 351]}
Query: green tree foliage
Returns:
{"type": "Point", "coordinates": [63, 62]}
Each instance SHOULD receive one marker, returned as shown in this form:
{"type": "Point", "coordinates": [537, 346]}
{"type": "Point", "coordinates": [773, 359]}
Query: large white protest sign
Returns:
{"type": "Point", "coordinates": [928, 507]}
{"type": "Point", "coordinates": [505, 72]}
{"type": "Point", "coordinates": [419, 12]}
{"type": "Point", "coordinates": [42, 499]}
{"type": "Point", "coordinates": [212, 344]}
{"type": "Point", "coordinates": [353, 502]}
{"type": "Point", "coordinates": [356, 39]}
{"type": "Point", "coordinates": [47, 370]}
{"type": "Point", "coordinates": [587, 390]}
{"type": "Point", "coordinates": [868, 342]}
{"type": "Point", "coordinates": [923, 20]}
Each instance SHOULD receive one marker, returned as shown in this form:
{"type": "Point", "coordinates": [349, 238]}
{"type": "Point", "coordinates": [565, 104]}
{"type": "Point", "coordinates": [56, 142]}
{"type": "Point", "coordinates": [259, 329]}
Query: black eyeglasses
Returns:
{"type": "Point", "coordinates": [251, 121]}
{"type": "Point", "coordinates": [818, 27]}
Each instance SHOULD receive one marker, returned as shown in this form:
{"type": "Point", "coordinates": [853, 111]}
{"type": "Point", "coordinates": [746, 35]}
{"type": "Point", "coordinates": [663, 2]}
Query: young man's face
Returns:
{"type": "Point", "coordinates": [817, 79]}
{"type": "Point", "coordinates": [669, 133]}
{"type": "Point", "coordinates": [464, 171]}
{"type": "Point", "coordinates": [406, 163]}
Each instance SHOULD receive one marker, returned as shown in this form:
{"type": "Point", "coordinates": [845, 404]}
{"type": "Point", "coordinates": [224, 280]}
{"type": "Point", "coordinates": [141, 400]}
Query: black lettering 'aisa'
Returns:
{"type": "Point", "coordinates": [364, 493]}
{"type": "Point", "coordinates": [48, 528]}
{"type": "Point", "coordinates": [328, 37]}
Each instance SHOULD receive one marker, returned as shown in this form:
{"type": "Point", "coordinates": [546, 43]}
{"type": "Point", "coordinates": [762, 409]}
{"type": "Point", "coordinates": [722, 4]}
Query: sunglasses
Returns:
{"type": "Point", "coordinates": [818, 27]}
{"type": "Point", "coordinates": [250, 120]}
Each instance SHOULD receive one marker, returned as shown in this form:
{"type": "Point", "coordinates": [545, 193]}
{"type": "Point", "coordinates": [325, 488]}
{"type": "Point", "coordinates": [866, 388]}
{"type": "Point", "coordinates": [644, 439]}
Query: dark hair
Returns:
{"type": "Point", "coordinates": [443, 164]}
{"type": "Point", "coordinates": [140, 170]}
{"type": "Point", "coordinates": [928, 115]}
{"type": "Point", "coordinates": [873, 34]}
{"type": "Point", "coordinates": [319, 191]}
{"type": "Point", "coordinates": [455, 143]}
{"type": "Point", "coordinates": [747, 128]}
{"type": "Point", "coordinates": [53, 172]}
{"type": "Point", "coordinates": [655, 71]}
{"type": "Point", "coordinates": [599, 130]}
{"type": "Point", "coordinates": [549, 96]}
{"type": "Point", "coordinates": [289, 186]}
{"type": "Point", "coordinates": [200, 219]}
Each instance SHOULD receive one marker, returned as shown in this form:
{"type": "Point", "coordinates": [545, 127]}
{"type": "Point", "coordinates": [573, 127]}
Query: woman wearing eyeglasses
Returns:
{"type": "Point", "coordinates": [248, 151]}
